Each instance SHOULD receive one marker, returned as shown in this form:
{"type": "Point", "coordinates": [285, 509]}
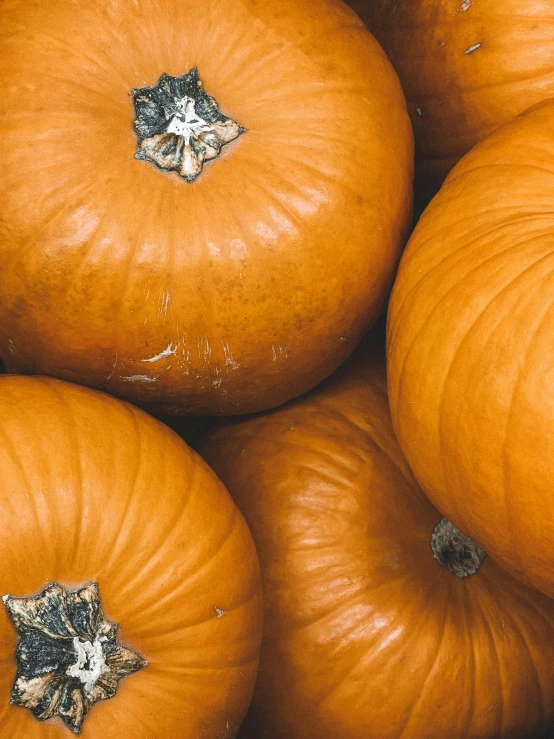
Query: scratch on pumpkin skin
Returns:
{"type": "Point", "coordinates": [164, 303]}
{"type": "Point", "coordinates": [12, 348]}
{"type": "Point", "coordinates": [204, 349]}
{"type": "Point", "coordinates": [139, 378]}
{"type": "Point", "coordinates": [229, 361]}
{"type": "Point", "coordinates": [217, 380]}
{"type": "Point", "coordinates": [113, 368]}
{"type": "Point", "coordinates": [170, 351]}
{"type": "Point", "coordinates": [472, 49]}
{"type": "Point", "coordinates": [466, 5]}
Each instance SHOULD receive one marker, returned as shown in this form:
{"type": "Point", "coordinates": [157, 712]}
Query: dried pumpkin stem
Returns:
{"type": "Point", "coordinates": [179, 126]}
{"type": "Point", "coordinates": [455, 551]}
{"type": "Point", "coordinates": [67, 653]}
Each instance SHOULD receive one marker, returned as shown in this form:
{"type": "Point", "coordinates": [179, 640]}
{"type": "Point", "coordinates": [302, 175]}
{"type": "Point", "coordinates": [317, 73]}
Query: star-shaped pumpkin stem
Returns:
{"type": "Point", "coordinates": [67, 653]}
{"type": "Point", "coordinates": [179, 126]}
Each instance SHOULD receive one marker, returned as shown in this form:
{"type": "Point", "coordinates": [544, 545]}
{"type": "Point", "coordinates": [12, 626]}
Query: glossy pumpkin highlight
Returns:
{"type": "Point", "coordinates": [228, 294]}
{"type": "Point", "coordinates": [366, 635]}
{"type": "Point", "coordinates": [95, 491]}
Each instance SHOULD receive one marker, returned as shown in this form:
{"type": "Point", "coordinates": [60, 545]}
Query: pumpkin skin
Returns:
{"type": "Point", "coordinates": [466, 66]}
{"type": "Point", "coordinates": [95, 490]}
{"type": "Point", "coordinates": [227, 295]}
{"type": "Point", "coordinates": [365, 634]}
{"type": "Point", "coordinates": [469, 347]}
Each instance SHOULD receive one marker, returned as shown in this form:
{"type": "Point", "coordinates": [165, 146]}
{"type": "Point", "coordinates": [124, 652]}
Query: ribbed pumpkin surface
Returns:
{"type": "Point", "coordinates": [93, 490]}
{"type": "Point", "coordinates": [470, 353]}
{"type": "Point", "coordinates": [366, 636]}
{"type": "Point", "coordinates": [232, 293]}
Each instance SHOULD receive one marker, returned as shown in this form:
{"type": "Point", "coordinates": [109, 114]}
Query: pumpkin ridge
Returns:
{"type": "Point", "coordinates": [104, 70]}
{"type": "Point", "coordinates": [516, 539]}
{"type": "Point", "coordinates": [73, 432]}
{"type": "Point", "coordinates": [510, 615]}
{"type": "Point", "coordinates": [174, 590]}
{"type": "Point", "coordinates": [33, 504]}
{"type": "Point", "coordinates": [52, 220]}
{"type": "Point", "coordinates": [442, 631]}
{"type": "Point", "coordinates": [120, 530]}
{"type": "Point", "coordinates": [133, 253]}
{"type": "Point", "coordinates": [370, 433]}
{"type": "Point", "coordinates": [414, 289]}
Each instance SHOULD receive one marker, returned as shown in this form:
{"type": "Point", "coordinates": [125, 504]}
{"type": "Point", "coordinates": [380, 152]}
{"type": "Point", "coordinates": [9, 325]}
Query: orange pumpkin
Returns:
{"type": "Point", "coordinates": [99, 502]}
{"type": "Point", "coordinates": [470, 348]}
{"type": "Point", "coordinates": [125, 265]}
{"type": "Point", "coordinates": [467, 66]}
{"type": "Point", "coordinates": [365, 634]}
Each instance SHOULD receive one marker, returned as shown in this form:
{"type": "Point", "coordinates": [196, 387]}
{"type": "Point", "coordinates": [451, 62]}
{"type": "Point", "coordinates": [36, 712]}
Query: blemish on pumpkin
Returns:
{"type": "Point", "coordinates": [139, 378]}
{"type": "Point", "coordinates": [170, 351]}
{"type": "Point", "coordinates": [12, 348]}
{"type": "Point", "coordinates": [466, 4]}
{"type": "Point", "coordinates": [239, 249]}
{"type": "Point", "coordinates": [164, 302]}
{"type": "Point", "coordinates": [204, 349]}
{"type": "Point", "coordinates": [472, 49]}
{"type": "Point", "coordinates": [419, 112]}
{"type": "Point", "coordinates": [109, 377]}
{"type": "Point", "coordinates": [219, 612]}
{"type": "Point", "coordinates": [279, 351]}
{"type": "Point", "coordinates": [229, 361]}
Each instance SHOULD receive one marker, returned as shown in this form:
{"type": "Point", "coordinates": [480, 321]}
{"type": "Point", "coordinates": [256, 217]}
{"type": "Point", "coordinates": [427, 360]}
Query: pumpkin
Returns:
{"type": "Point", "coordinates": [203, 203]}
{"type": "Point", "coordinates": [467, 67]}
{"type": "Point", "coordinates": [470, 347]}
{"type": "Point", "coordinates": [366, 634]}
{"type": "Point", "coordinates": [109, 519]}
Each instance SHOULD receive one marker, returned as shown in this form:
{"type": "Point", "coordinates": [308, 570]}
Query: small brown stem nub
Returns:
{"type": "Point", "coordinates": [455, 551]}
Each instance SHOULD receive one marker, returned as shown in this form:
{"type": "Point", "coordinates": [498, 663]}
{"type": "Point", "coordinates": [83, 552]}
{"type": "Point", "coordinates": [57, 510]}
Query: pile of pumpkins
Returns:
{"type": "Point", "coordinates": [207, 225]}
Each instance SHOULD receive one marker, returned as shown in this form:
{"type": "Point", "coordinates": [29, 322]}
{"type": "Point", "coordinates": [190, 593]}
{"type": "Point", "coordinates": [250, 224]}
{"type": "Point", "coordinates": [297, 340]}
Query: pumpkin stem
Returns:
{"type": "Point", "coordinates": [455, 551]}
{"type": "Point", "coordinates": [179, 126]}
{"type": "Point", "coordinates": [67, 653]}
